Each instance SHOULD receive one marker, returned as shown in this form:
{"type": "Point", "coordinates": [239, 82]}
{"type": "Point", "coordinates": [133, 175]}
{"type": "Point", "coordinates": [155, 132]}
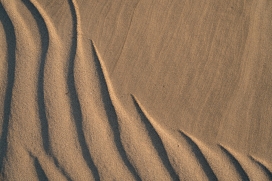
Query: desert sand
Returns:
{"type": "Point", "coordinates": [136, 90]}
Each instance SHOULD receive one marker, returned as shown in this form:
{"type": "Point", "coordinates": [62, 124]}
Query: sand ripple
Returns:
{"type": "Point", "coordinates": [61, 118]}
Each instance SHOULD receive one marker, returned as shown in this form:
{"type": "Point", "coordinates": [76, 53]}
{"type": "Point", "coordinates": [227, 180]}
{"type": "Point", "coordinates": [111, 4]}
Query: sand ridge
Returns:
{"type": "Point", "coordinates": [64, 116]}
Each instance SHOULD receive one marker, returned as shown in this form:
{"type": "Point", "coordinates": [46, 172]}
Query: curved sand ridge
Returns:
{"type": "Point", "coordinates": [61, 119]}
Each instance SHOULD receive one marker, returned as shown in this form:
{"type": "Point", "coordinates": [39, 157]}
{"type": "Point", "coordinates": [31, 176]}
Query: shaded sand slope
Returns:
{"type": "Point", "coordinates": [135, 90]}
{"type": "Point", "coordinates": [203, 67]}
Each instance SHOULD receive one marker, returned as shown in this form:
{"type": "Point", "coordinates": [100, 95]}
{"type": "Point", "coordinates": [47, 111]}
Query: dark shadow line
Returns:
{"type": "Point", "coordinates": [156, 141]}
{"type": "Point", "coordinates": [39, 170]}
{"type": "Point", "coordinates": [40, 92]}
{"type": "Point", "coordinates": [41, 173]}
{"type": "Point", "coordinates": [111, 113]}
{"type": "Point", "coordinates": [236, 164]}
{"type": "Point", "coordinates": [200, 157]}
{"type": "Point", "coordinates": [44, 33]}
{"type": "Point", "coordinates": [75, 104]}
{"type": "Point", "coordinates": [264, 168]}
{"type": "Point", "coordinates": [11, 61]}
{"type": "Point", "coordinates": [64, 173]}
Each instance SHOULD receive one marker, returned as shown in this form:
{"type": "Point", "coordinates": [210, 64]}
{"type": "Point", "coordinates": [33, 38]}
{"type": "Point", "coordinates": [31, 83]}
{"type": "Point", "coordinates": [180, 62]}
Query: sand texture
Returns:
{"type": "Point", "coordinates": [135, 90]}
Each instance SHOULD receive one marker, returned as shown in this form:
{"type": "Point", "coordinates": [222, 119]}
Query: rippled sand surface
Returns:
{"type": "Point", "coordinates": [135, 90]}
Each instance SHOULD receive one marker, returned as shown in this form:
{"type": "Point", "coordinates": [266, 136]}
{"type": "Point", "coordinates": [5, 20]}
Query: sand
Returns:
{"type": "Point", "coordinates": [135, 90]}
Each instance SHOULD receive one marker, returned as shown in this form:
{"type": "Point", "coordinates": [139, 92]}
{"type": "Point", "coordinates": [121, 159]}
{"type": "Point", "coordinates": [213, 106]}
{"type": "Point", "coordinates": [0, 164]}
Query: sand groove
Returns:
{"type": "Point", "coordinates": [156, 141]}
{"type": "Point", "coordinates": [264, 168]}
{"type": "Point", "coordinates": [236, 164]}
{"type": "Point", "coordinates": [111, 114]}
{"type": "Point", "coordinates": [201, 158]}
{"type": "Point", "coordinates": [85, 131]}
{"type": "Point", "coordinates": [74, 101]}
{"type": "Point", "coordinates": [39, 170]}
{"type": "Point", "coordinates": [11, 60]}
{"type": "Point", "coordinates": [142, 150]}
{"type": "Point", "coordinates": [40, 91]}
{"type": "Point", "coordinates": [43, 22]}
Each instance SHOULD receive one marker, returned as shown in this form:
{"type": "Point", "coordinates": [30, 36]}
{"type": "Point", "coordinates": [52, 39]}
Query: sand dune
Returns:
{"type": "Point", "coordinates": [135, 90]}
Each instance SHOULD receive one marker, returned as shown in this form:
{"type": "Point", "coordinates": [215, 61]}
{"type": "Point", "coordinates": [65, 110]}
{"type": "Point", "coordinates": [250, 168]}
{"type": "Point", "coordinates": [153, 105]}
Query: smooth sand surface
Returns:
{"type": "Point", "coordinates": [136, 90]}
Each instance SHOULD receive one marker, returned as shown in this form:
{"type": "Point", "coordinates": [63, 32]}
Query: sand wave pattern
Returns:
{"type": "Point", "coordinates": [62, 120]}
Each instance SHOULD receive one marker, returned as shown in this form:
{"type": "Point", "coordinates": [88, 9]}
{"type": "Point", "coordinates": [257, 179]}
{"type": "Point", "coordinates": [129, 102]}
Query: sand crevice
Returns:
{"type": "Point", "coordinates": [200, 157]}
{"type": "Point", "coordinates": [66, 117]}
{"type": "Point", "coordinates": [11, 61]}
{"type": "Point", "coordinates": [235, 163]}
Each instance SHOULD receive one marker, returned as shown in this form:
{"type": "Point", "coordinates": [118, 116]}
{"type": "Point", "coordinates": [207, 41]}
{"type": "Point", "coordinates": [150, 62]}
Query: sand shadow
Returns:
{"type": "Point", "coordinates": [200, 157]}
{"type": "Point", "coordinates": [11, 60]}
{"type": "Point", "coordinates": [44, 36]}
{"type": "Point", "coordinates": [156, 141]}
{"type": "Point", "coordinates": [264, 168]}
{"type": "Point", "coordinates": [74, 101]}
{"type": "Point", "coordinates": [236, 164]}
{"type": "Point", "coordinates": [111, 113]}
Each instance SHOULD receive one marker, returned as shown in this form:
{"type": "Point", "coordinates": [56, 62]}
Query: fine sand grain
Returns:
{"type": "Point", "coordinates": [135, 90]}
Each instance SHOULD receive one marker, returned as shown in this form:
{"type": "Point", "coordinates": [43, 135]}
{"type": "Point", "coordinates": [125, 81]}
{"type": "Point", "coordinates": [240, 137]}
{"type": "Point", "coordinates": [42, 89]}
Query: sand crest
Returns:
{"type": "Point", "coordinates": [135, 90]}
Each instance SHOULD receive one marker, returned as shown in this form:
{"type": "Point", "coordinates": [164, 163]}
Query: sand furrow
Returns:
{"type": "Point", "coordinates": [42, 21]}
{"type": "Point", "coordinates": [74, 101]}
{"type": "Point", "coordinates": [218, 162]}
{"type": "Point", "coordinates": [141, 153]}
{"type": "Point", "coordinates": [56, 102]}
{"type": "Point", "coordinates": [179, 155]}
{"type": "Point", "coordinates": [50, 167]}
{"type": "Point", "coordinates": [40, 90]}
{"type": "Point", "coordinates": [11, 46]}
{"type": "Point", "coordinates": [200, 157]}
{"type": "Point", "coordinates": [77, 54]}
{"type": "Point", "coordinates": [97, 127]}
{"type": "Point", "coordinates": [42, 57]}
{"type": "Point", "coordinates": [264, 168]}
{"type": "Point", "coordinates": [64, 116]}
{"type": "Point", "coordinates": [244, 165]}
{"type": "Point", "coordinates": [107, 122]}
{"type": "Point", "coordinates": [111, 114]}
{"type": "Point", "coordinates": [23, 104]}
{"type": "Point", "coordinates": [3, 73]}
{"type": "Point", "coordinates": [240, 170]}
{"type": "Point", "coordinates": [140, 149]}
{"type": "Point", "coordinates": [156, 141]}
{"type": "Point", "coordinates": [39, 170]}
{"type": "Point", "coordinates": [252, 169]}
{"type": "Point", "coordinates": [19, 165]}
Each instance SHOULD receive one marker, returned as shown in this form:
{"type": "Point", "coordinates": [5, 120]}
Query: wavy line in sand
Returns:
{"type": "Point", "coordinates": [74, 101]}
{"type": "Point", "coordinates": [11, 61]}
{"type": "Point", "coordinates": [264, 168]}
{"type": "Point", "coordinates": [39, 170]}
{"type": "Point", "coordinates": [43, 22]}
{"type": "Point", "coordinates": [236, 164]}
{"type": "Point", "coordinates": [157, 135]}
{"type": "Point", "coordinates": [40, 91]}
{"type": "Point", "coordinates": [111, 113]}
{"type": "Point", "coordinates": [200, 157]}
{"type": "Point", "coordinates": [156, 141]}
{"type": "Point", "coordinates": [206, 166]}
{"type": "Point", "coordinates": [245, 166]}
{"type": "Point", "coordinates": [154, 145]}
